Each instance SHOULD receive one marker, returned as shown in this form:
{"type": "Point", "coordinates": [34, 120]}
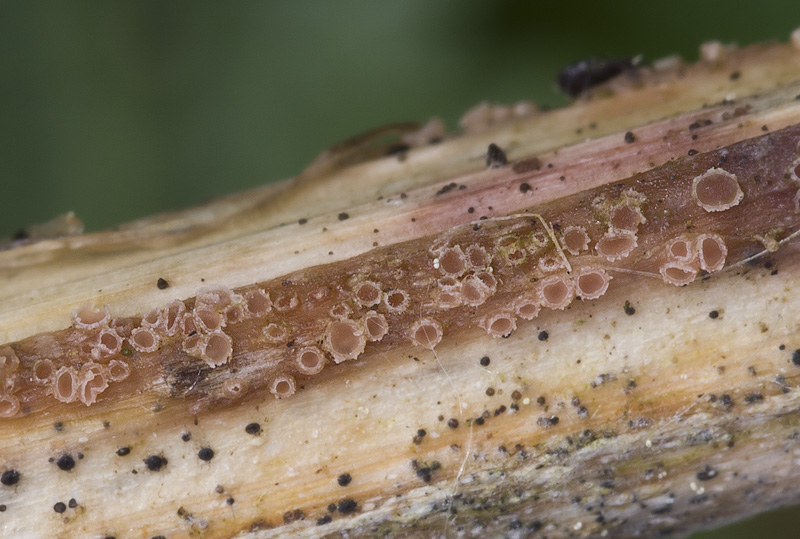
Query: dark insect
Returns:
{"type": "Point", "coordinates": [576, 78]}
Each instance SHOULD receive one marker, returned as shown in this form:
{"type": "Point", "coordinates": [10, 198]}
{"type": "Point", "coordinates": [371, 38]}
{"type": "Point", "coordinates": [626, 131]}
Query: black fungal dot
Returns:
{"type": "Point", "coordinates": [10, 478]}
{"type": "Point", "coordinates": [347, 506]}
{"type": "Point", "coordinates": [186, 436]}
{"type": "Point", "coordinates": [417, 439]}
{"type": "Point", "coordinates": [2, 507]}
{"type": "Point", "coordinates": [158, 537]}
{"type": "Point", "coordinates": [447, 188]}
{"type": "Point", "coordinates": [713, 315]}
{"type": "Point", "coordinates": [629, 138]}
{"type": "Point", "coordinates": [230, 501]}
{"type": "Point", "coordinates": [490, 392]}
{"type": "Point", "coordinates": [65, 462]}
{"type": "Point", "coordinates": [796, 357]}
{"type": "Point", "coordinates": [692, 152]}
{"type": "Point", "coordinates": [495, 156]}
{"type": "Point", "coordinates": [752, 398]}
{"type": "Point", "coordinates": [707, 473]}
{"type": "Point", "coordinates": [206, 454]}
{"type": "Point", "coordinates": [524, 187]}
{"type": "Point", "coordinates": [154, 463]}
{"type": "Point", "coordinates": [253, 428]}
{"type": "Point", "coordinates": [485, 361]}
{"type": "Point", "coordinates": [479, 421]}
{"type": "Point", "coordinates": [516, 395]}
{"type": "Point", "coordinates": [452, 423]}
{"type": "Point", "coordinates": [292, 516]}
{"type": "Point", "coordinates": [324, 520]}
{"type": "Point", "coordinates": [425, 473]}
{"type": "Point", "coordinates": [344, 479]}
{"type": "Point", "coordinates": [59, 426]}
{"type": "Point", "coordinates": [547, 422]}
{"type": "Point", "coordinates": [628, 308]}
{"type": "Point", "coordinates": [124, 451]}
{"type": "Point", "coordinates": [162, 283]}
{"type": "Point", "coordinates": [543, 335]}
{"type": "Point", "coordinates": [72, 503]}
{"type": "Point", "coordinates": [59, 507]}
{"type": "Point", "coordinates": [343, 216]}
{"type": "Point", "coordinates": [302, 221]}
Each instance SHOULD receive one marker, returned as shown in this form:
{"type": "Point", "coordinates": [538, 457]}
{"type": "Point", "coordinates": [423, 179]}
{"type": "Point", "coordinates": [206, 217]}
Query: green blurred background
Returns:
{"type": "Point", "coordinates": [117, 110]}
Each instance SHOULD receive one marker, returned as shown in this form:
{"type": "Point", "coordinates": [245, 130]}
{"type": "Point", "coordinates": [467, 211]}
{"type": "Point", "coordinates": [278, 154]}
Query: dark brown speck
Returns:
{"type": "Point", "coordinates": [344, 479]}
{"type": "Point", "coordinates": [154, 463]}
{"type": "Point", "coordinates": [347, 506]}
{"type": "Point", "coordinates": [796, 357]}
{"type": "Point", "coordinates": [9, 478]}
{"type": "Point", "coordinates": [65, 462]}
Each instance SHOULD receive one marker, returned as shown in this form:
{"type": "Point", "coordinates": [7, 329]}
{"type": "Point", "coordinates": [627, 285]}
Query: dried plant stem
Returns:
{"type": "Point", "coordinates": [452, 409]}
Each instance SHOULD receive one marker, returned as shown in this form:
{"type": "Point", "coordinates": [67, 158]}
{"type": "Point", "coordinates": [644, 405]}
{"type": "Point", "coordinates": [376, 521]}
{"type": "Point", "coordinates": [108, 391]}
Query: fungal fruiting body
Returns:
{"type": "Point", "coordinates": [493, 266]}
{"type": "Point", "coordinates": [716, 190]}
